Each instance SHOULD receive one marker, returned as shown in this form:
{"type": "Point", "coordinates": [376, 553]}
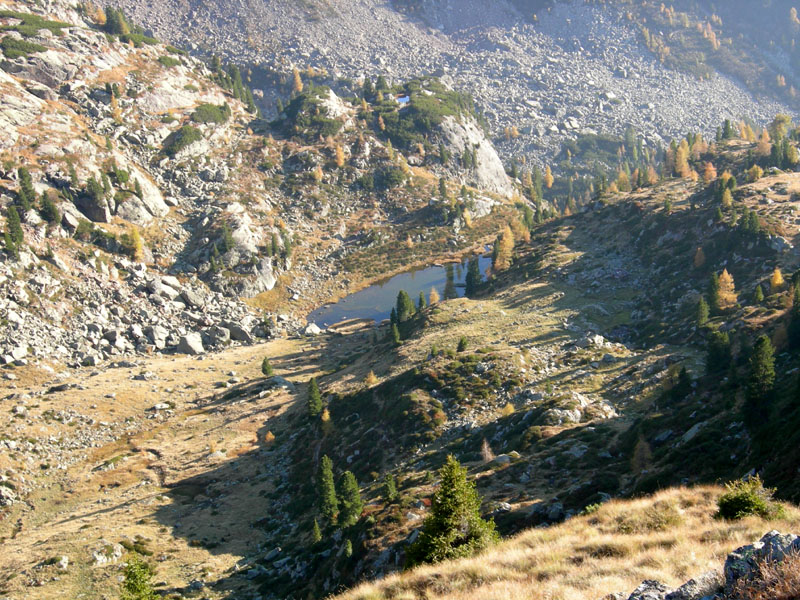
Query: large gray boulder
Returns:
{"type": "Point", "coordinates": [191, 343]}
{"type": "Point", "coordinates": [489, 174]}
{"type": "Point", "coordinates": [773, 547]}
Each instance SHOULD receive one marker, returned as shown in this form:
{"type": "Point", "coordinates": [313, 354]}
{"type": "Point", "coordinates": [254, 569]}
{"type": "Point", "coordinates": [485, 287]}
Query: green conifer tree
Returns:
{"type": "Point", "coordinates": [316, 534]}
{"type": "Point", "coordinates": [389, 488]}
{"type": "Point", "coordinates": [421, 303]}
{"type": "Point", "coordinates": [702, 312]}
{"type": "Point", "coordinates": [326, 492]}
{"type": "Point", "coordinates": [349, 500]}
{"type": "Point", "coordinates": [761, 378]}
{"type": "Point", "coordinates": [462, 344]}
{"type": "Point", "coordinates": [794, 318]}
{"type": "Point", "coordinates": [14, 226]}
{"type": "Point", "coordinates": [266, 368]}
{"type": "Point", "coordinates": [454, 527]}
{"type": "Point", "coordinates": [473, 278]}
{"type": "Point", "coordinates": [314, 398]}
{"type": "Point", "coordinates": [405, 307]}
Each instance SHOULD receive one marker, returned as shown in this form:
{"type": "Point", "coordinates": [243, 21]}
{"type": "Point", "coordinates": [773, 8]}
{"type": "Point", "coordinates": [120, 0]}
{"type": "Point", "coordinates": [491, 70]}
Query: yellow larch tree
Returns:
{"type": "Point", "coordinates": [548, 177]}
{"type": "Point", "coordinates": [727, 291]}
{"type": "Point", "coordinates": [776, 281]}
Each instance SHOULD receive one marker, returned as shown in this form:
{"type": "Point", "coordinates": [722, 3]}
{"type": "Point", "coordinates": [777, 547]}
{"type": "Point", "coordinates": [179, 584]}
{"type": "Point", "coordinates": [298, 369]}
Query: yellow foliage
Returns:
{"type": "Point", "coordinates": [727, 198]}
{"type": "Point", "coordinates": [325, 416]}
{"type": "Point", "coordinates": [754, 173]}
{"type": "Point", "coordinates": [709, 173]}
{"type": "Point", "coordinates": [727, 291]}
{"type": "Point", "coordinates": [508, 410]}
{"type": "Point", "coordinates": [317, 174]}
{"type": "Point", "coordinates": [371, 379]}
{"type": "Point", "coordinates": [433, 298]}
{"type": "Point", "coordinates": [548, 177]}
{"type": "Point", "coordinates": [505, 249]}
{"type": "Point", "coordinates": [339, 156]}
{"type": "Point", "coordinates": [297, 85]}
{"type": "Point", "coordinates": [138, 246]}
{"type": "Point", "coordinates": [776, 281]}
{"type": "Point", "coordinates": [764, 146]}
{"type": "Point", "coordinates": [269, 437]}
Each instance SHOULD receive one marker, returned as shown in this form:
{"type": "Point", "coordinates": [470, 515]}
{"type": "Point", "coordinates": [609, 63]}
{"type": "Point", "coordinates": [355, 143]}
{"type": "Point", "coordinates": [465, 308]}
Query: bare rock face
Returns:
{"type": "Point", "coordinates": [465, 133]}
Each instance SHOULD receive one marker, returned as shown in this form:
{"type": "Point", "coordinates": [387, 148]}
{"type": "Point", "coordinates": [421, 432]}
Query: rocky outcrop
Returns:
{"type": "Point", "coordinates": [465, 133]}
{"type": "Point", "coordinates": [742, 563]}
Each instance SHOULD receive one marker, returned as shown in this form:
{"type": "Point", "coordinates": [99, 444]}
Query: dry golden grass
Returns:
{"type": "Point", "coordinates": [775, 581]}
{"type": "Point", "coordinates": [669, 537]}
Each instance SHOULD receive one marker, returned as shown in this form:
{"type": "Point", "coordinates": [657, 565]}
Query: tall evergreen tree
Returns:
{"type": "Point", "coordinates": [14, 226]}
{"type": "Point", "coordinates": [136, 584]}
{"type": "Point", "coordinates": [702, 312]}
{"type": "Point", "coordinates": [314, 398]}
{"type": "Point", "coordinates": [395, 333]}
{"type": "Point", "coordinates": [27, 195]}
{"type": "Point", "coordinates": [761, 378]}
{"type": "Point", "coordinates": [450, 283]}
{"type": "Point", "coordinates": [713, 292]}
{"type": "Point", "coordinates": [718, 353]}
{"type": "Point", "coordinates": [349, 500]}
{"type": "Point", "coordinates": [454, 527]}
{"type": "Point", "coordinates": [389, 488]}
{"type": "Point", "coordinates": [326, 492]}
{"type": "Point", "coordinates": [405, 307]}
{"type": "Point", "coordinates": [421, 302]}
{"type": "Point", "coordinates": [473, 278]}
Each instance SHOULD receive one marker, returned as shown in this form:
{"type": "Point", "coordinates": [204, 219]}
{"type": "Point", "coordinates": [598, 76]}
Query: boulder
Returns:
{"type": "Point", "coordinates": [157, 335]}
{"type": "Point", "coordinates": [192, 298]}
{"type": "Point", "coordinates": [238, 333]}
{"type": "Point", "coordinates": [742, 562]}
{"type": "Point", "coordinates": [707, 584]}
{"type": "Point", "coordinates": [650, 590]}
{"type": "Point", "coordinates": [312, 329]}
{"type": "Point", "coordinates": [191, 343]}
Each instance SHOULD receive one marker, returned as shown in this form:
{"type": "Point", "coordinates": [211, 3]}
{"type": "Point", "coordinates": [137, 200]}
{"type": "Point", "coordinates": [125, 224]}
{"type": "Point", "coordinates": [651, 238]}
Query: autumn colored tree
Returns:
{"type": "Point", "coordinates": [548, 177]}
{"type": "Point", "coordinates": [433, 297]}
{"type": "Point", "coordinates": [503, 249]}
{"type": "Point", "coordinates": [297, 81]}
{"type": "Point", "coordinates": [709, 173]}
{"type": "Point", "coordinates": [699, 258]}
{"type": "Point", "coordinates": [776, 281]}
{"type": "Point", "coordinates": [727, 291]}
{"type": "Point", "coordinates": [339, 156]}
{"type": "Point", "coordinates": [754, 173]}
{"type": "Point", "coordinates": [764, 146]}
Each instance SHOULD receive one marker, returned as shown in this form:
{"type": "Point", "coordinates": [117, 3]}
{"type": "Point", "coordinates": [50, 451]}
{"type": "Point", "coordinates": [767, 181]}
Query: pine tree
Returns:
{"type": "Point", "coordinates": [548, 177]}
{"type": "Point", "coordinates": [14, 227]}
{"type": "Point", "coordinates": [349, 500]}
{"type": "Point", "coordinates": [473, 278]}
{"type": "Point", "coordinates": [316, 534]}
{"type": "Point", "coordinates": [49, 210]}
{"type": "Point", "coordinates": [450, 283]}
{"type": "Point", "coordinates": [314, 398]}
{"type": "Point", "coordinates": [462, 344]}
{"type": "Point", "coordinates": [758, 297]}
{"type": "Point", "coordinates": [326, 492]}
{"type": "Point", "coordinates": [702, 312]}
{"type": "Point", "coordinates": [504, 246]}
{"type": "Point", "coordinates": [297, 82]}
{"type": "Point", "coordinates": [389, 488]}
{"type": "Point", "coordinates": [761, 379]}
{"type": "Point", "coordinates": [718, 357]}
{"type": "Point", "coordinates": [266, 368]}
{"type": "Point", "coordinates": [137, 188]}
{"type": "Point", "coordinates": [396, 341]}
{"type": "Point", "coordinates": [137, 585]}
{"type": "Point", "coordinates": [405, 307]}
{"type": "Point", "coordinates": [454, 527]}
{"type": "Point", "coordinates": [27, 195]}
{"type": "Point", "coordinates": [421, 304]}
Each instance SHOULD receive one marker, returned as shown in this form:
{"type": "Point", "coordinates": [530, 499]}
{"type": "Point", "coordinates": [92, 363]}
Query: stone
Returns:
{"type": "Point", "coordinates": [238, 333]}
{"type": "Point", "coordinates": [63, 563]}
{"type": "Point", "coordinates": [192, 298]}
{"type": "Point", "coordinates": [157, 335]}
{"type": "Point", "coordinates": [502, 459]}
{"type": "Point", "coordinates": [707, 584]}
{"type": "Point", "coordinates": [312, 329]}
{"type": "Point", "coordinates": [191, 343]}
{"type": "Point", "coordinates": [773, 546]}
{"type": "Point", "coordinates": [650, 590]}
{"type": "Point", "coordinates": [7, 496]}
{"type": "Point", "coordinates": [107, 553]}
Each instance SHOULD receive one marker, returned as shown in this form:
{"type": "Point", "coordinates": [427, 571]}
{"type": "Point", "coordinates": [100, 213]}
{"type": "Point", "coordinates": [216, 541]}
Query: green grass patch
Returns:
{"type": "Point", "coordinates": [169, 61]}
{"type": "Point", "coordinates": [211, 113]}
{"type": "Point", "coordinates": [31, 25]}
{"type": "Point", "coordinates": [178, 140]}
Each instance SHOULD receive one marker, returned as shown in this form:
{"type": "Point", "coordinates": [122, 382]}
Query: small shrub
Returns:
{"type": "Point", "coordinates": [169, 61]}
{"type": "Point", "coordinates": [178, 140]}
{"type": "Point", "coordinates": [14, 48]}
{"type": "Point", "coordinates": [211, 113]}
{"type": "Point", "coordinates": [745, 498]}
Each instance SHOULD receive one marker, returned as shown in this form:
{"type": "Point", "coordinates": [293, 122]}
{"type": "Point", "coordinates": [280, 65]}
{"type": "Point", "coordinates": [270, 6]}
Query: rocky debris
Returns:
{"type": "Point", "coordinates": [577, 69]}
{"type": "Point", "coordinates": [108, 552]}
{"type": "Point", "coordinates": [191, 343]}
{"type": "Point", "coordinates": [741, 563]}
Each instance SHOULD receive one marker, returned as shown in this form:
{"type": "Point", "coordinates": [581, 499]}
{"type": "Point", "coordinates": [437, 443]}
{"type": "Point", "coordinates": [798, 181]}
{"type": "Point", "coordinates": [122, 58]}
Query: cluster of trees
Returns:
{"type": "Point", "coordinates": [339, 505]}
{"type": "Point", "coordinates": [27, 200]}
{"type": "Point", "coordinates": [231, 80]}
